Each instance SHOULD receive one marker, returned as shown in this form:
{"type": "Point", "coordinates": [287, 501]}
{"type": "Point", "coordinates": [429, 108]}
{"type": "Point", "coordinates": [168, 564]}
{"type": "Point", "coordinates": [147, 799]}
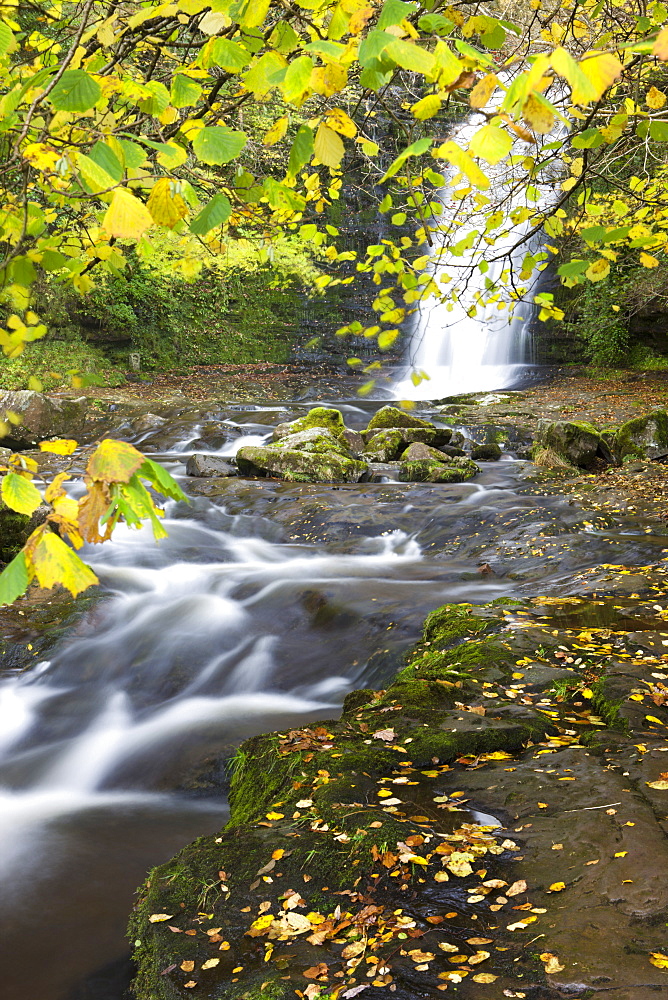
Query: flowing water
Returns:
{"type": "Point", "coordinates": [266, 604]}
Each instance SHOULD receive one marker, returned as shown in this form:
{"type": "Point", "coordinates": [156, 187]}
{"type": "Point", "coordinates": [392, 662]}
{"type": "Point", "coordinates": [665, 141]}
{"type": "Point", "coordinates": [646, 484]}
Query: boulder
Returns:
{"type": "Point", "coordinates": [643, 437]}
{"type": "Point", "coordinates": [319, 416]}
{"type": "Point", "coordinates": [418, 452]}
{"type": "Point", "coordinates": [449, 449]}
{"type": "Point", "coordinates": [299, 466]}
{"type": "Point", "coordinates": [204, 466]}
{"type": "Point", "coordinates": [576, 442]}
{"type": "Point", "coordinates": [316, 441]}
{"type": "Point", "coordinates": [384, 446]}
{"type": "Point", "coordinates": [486, 452]}
{"type": "Point", "coordinates": [392, 416]}
{"type": "Point", "coordinates": [41, 417]}
{"type": "Point", "coordinates": [425, 471]}
{"type": "Point", "coordinates": [354, 441]}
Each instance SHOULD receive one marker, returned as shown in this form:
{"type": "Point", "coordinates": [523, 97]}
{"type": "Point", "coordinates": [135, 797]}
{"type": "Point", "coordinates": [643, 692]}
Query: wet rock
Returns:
{"type": "Point", "coordinates": [392, 416]}
{"type": "Point", "coordinates": [458, 470]}
{"type": "Point", "coordinates": [381, 471]}
{"type": "Point", "coordinates": [299, 466]}
{"type": "Point", "coordinates": [41, 417]}
{"type": "Point", "coordinates": [384, 446]}
{"type": "Point", "coordinates": [208, 465]}
{"type": "Point", "coordinates": [576, 442]}
{"type": "Point", "coordinates": [449, 449]}
{"type": "Point", "coordinates": [316, 441]}
{"type": "Point", "coordinates": [643, 437]}
{"type": "Point", "coordinates": [148, 422]}
{"type": "Point", "coordinates": [418, 451]}
{"type": "Point", "coordinates": [486, 452]}
{"type": "Point", "coordinates": [354, 441]}
{"type": "Point", "coordinates": [319, 416]}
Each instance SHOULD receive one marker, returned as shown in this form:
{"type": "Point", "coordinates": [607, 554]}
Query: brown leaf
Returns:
{"type": "Point", "coordinates": [385, 734]}
{"type": "Point", "coordinates": [315, 971]}
{"type": "Point", "coordinates": [516, 888]}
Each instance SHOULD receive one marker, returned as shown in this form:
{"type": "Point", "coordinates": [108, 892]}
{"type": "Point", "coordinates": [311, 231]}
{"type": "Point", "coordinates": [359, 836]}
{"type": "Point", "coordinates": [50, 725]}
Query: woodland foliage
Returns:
{"type": "Point", "coordinates": [220, 121]}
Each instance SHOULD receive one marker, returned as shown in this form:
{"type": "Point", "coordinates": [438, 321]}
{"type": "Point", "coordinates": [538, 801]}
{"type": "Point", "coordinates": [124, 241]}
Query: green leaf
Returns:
{"type": "Point", "coordinates": [393, 12]}
{"type": "Point", "coordinates": [106, 158]}
{"type": "Point", "coordinates": [491, 143]}
{"type": "Point", "coordinates": [415, 149]}
{"type": "Point", "coordinates": [158, 100]}
{"type": "Point", "coordinates": [14, 579]}
{"type": "Point", "coordinates": [20, 494]}
{"type": "Point", "coordinates": [215, 213]}
{"type": "Point", "coordinates": [7, 40]}
{"type": "Point", "coordinates": [296, 81]}
{"type": "Point", "coordinates": [658, 131]}
{"type": "Point", "coordinates": [185, 92]}
{"type": "Point", "coordinates": [410, 56]}
{"type": "Point", "coordinates": [75, 91]}
{"type": "Point", "coordinates": [301, 151]}
{"type": "Point", "coordinates": [134, 155]}
{"type": "Point", "coordinates": [494, 38]}
{"type": "Point", "coordinates": [229, 55]}
{"type": "Point", "coordinates": [591, 138]}
{"type": "Point", "coordinates": [261, 77]}
{"type": "Point", "coordinates": [93, 175]}
{"type": "Point", "coordinates": [161, 480]}
{"type": "Point", "coordinates": [573, 268]}
{"type": "Point", "coordinates": [217, 144]}
{"type": "Point", "coordinates": [436, 24]}
{"type": "Point", "coordinates": [593, 234]}
{"type": "Point", "coordinates": [372, 46]}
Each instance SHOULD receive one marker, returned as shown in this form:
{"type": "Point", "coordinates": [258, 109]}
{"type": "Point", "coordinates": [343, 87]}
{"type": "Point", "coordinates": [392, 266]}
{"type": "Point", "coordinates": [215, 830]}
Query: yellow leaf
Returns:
{"type": "Point", "coordinates": [551, 963]}
{"type": "Point", "coordinates": [483, 90]}
{"type": "Point", "coordinates": [359, 19]}
{"type": "Point", "coordinates": [166, 206]}
{"type": "Point", "coordinates": [653, 718]}
{"type": "Point", "coordinates": [427, 107]}
{"type": "Point", "coordinates": [491, 143]}
{"type": "Point", "coordinates": [278, 854]}
{"type": "Point", "coordinates": [660, 47]}
{"type": "Point", "coordinates": [460, 159]}
{"type": "Point", "coordinates": [276, 132]}
{"type": "Point", "coordinates": [655, 99]}
{"type": "Point", "coordinates": [210, 963]}
{"type": "Point", "coordinates": [328, 146]}
{"type": "Point", "coordinates": [173, 156]}
{"type": "Point", "coordinates": [260, 925]}
{"type": "Point", "coordinates": [601, 69]}
{"type": "Point", "coordinates": [158, 918]}
{"type": "Point", "coordinates": [557, 887]}
{"type": "Point", "coordinates": [20, 494]}
{"type": "Point", "coordinates": [599, 270]}
{"type": "Point", "coordinates": [661, 785]}
{"type": "Point", "coordinates": [485, 977]}
{"type": "Point", "coordinates": [537, 115]}
{"type": "Point", "coordinates": [659, 960]}
{"type": "Point", "coordinates": [114, 461]}
{"type": "Point", "coordinates": [338, 120]}
{"type": "Point", "coordinates": [63, 446]}
{"type": "Point", "coordinates": [647, 260]}
{"type": "Point", "coordinates": [187, 966]}
{"type": "Point", "coordinates": [127, 217]}
{"type": "Point", "coordinates": [275, 815]}
{"type": "Point", "coordinates": [53, 562]}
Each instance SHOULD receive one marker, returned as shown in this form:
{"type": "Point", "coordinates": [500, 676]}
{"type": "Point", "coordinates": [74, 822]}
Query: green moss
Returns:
{"type": "Point", "coordinates": [319, 416]}
{"type": "Point", "coordinates": [313, 443]}
{"type": "Point", "coordinates": [385, 446]}
{"type": "Point", "coordinates": [643, 437]}
{"type": "Point", "coordinates": [14, 531]}
{"type": "Point", "coordinates": [427, 471]}
{"type": "Point", "coordinates": [299, 466]}
{"type": "Point", "coordinates": [486, 452]}
{"type": "Point", "coordinates": [391, 416]}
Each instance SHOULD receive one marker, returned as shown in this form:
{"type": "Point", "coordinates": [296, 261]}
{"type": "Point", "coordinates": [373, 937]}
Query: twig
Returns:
{"type": "Point", "coordinates": [587, 808]}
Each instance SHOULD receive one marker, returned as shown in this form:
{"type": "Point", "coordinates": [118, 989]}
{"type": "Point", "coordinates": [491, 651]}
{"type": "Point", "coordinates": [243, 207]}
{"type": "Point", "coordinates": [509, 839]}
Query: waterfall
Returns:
{"type": "Point", "coordinates": [466, 345]}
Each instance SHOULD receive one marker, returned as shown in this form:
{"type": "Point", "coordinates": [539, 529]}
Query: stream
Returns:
{"type": "Point", "coordinates": [268, 602]}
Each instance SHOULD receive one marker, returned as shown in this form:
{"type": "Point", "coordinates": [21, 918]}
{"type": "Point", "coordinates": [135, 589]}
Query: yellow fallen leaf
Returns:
{"type": "Point", "coordinates": [516, 888]}
{"type": "Point", "coordinates": [621, 854]}
{"type": "Point", "coordinates": [658, 959]}
{"type": "Point", "coordinates": [557, 887]}
{"type": "Point", "coordinates": [551, 963]}
{"type": "Point", "coordinates": [485, 977]}
{"type": "Point", "coordinates": [187, 966]}
{"type": "Point", "coordinates": [210, 963]}
{"type": "Point", "coordinates": [275, 815]}
{"type": "Point", "coordinates": [157, 918]}
{"type": "Point", "coordinates": [662, 785]}
{"type": "Point", "coordinates": [480, 956]}
{"type": "Point", "coordinates": [278, 854]}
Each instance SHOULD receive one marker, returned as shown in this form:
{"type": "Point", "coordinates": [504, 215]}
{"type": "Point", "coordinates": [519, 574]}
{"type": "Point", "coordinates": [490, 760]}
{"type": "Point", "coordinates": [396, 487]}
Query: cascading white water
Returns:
{"type": "Point", "coordinates": [460, 352]}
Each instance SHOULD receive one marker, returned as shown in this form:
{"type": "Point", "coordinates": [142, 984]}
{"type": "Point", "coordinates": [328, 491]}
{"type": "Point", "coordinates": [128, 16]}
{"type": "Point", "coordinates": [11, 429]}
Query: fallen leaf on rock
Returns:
{"type": "Point", "coordinates": [441, 877]}
{"type": "Point", "coordinates": [189, 985]}
{"type": "Point", "coordinates": [557, 887]}
{"type": "Point", "coordinates": [621, 854]}
{"type": "Point", "coordinates": [421, 956]}
{"type": "Point", "coordinates": [312, 991]}
{"type": "Point", "coordinates": [485, 977]}
{"type": "Point", "coordinates": [210, 963]}
{"type": "Point", "coordinates": [658, 959]}
{"type": "Point", "coordinates": [520, 925]}
{"type": "Point", "coordinates": [275, 815]}
{"type": "Point", "coordinates": [304, 803]}
{"type": "Point", "coordinates": [157, 918]}
{"type": "Point", "coordinates": [551, 963]}
{"type": "Point", "coordinates": [385, 734]}
{"type": "Point", "coordinates": [479, 940]}
{"type": "Point", "coordinates": [458, 864]}
{"type": "Point", "coordinates": [661, 783]}
{"type": "Point", "coordinates": [516, 888]}
{"type": "Point", "coordinates": [260, 926]}
{"type": "Point", "coordinates": [557, 847]}
{"type": "Point", "coordinates": [354, 991]}
{"type": "Point", "coordinates": [278, 854]}
{"type": "Point", "coordinates": [353, 950]}
{"type": "Point", "coordinates": [542, 805]}
{"type": "Point", "coordinates": [495, 883]}
{"type": "Point", "coordinates": [480, 956]}
{"type": "Point", "coordinates": [315, 971]}
{"type": "Point", "coordinates": [187, 966]}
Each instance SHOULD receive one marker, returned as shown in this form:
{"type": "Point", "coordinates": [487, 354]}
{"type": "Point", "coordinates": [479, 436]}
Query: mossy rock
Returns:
{"type": "Point", "coordinates": [385, 446]}
{"type": "Point", "coordinates": [577, 442]}
{"type": "Point", "coordinates": [392, 416]}
{"type": "Point", "coordinates": [314, 441]}
{"type": "Point", "coordinates": [299, 466]}
{"type": "Point", "coordinates": [643, 437]}
{"type": "Point", "coordinates": [486, 452]}
{"type": "Point", "coordinates": [458, 470]}
{"type": "Point", "coordinates": [306, 803]}
{"type": "Point", "coordinates": [319, 416]}
{"type": "Point", "coordinates": [417, 452]}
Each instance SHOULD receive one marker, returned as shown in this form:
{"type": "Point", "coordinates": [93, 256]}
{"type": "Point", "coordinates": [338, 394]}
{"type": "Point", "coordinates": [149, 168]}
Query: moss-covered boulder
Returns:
{"type": "Point", "coordinates": [299, 466]}
{"type": "Point", "coordinates": [392, 416]}
{"type": "Point", "coordinates": [490, 452]}
{"type": "Point", "coordinates": [319, 416]}
{"type": "Point", "coordinates": [578, 443]}
{"type": "Point", "coordinates": [333, 831]}
{"type": "Point", "coordinates": [419, 452]}
{"type": "Point", "coordinates": [457, 470]}
{"type": "Point", "coordinates": [411, 428]}
{"type": "Point", "coordinates": [385, 446]}
{"type": "Point", "coordinates": [316, 441]}
{"type": "Point", "coordinates": [644, 437]}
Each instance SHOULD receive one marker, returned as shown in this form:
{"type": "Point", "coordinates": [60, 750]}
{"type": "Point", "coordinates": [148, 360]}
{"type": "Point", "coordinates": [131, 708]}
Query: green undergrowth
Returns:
{"type": "Point", "coordinates": [54, 363]}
